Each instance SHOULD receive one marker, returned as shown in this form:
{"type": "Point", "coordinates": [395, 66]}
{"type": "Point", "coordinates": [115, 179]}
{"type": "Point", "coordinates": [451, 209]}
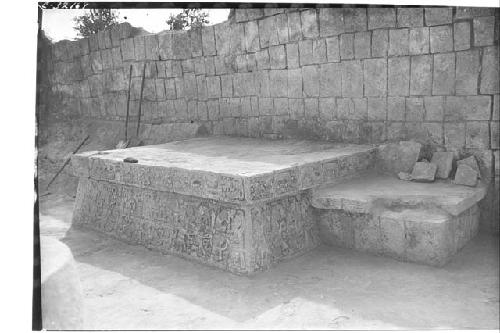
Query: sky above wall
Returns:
{"type": "Point", "coordinates": [58, 24]}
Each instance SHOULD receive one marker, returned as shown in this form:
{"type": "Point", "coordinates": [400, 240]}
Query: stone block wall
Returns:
{"type": "Point", "coordinates": [358, 75]}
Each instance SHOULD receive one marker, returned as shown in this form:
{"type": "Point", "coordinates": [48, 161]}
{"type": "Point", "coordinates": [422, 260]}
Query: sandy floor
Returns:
{"type": "Point", "coordinates": [129, 287]}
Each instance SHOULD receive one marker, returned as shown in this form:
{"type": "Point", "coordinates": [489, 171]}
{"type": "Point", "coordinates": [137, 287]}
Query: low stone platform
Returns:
{"type": "Point", "coordinates": [239, 204]}
{"type": "Point", "coordinates": [424, 223]}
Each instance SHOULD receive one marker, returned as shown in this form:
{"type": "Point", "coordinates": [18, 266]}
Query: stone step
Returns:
{"type": "Point", "coordinates": [362, 194]}
{"type": "Point", "coordinates": [423, 223]}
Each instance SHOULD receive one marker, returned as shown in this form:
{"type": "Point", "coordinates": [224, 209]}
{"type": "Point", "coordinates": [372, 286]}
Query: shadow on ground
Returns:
{"type": "Point", "coordinates": [130, 287]}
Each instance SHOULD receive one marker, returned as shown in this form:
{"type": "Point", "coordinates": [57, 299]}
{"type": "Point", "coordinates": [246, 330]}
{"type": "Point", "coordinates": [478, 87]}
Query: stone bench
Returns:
{"type": "Point", "coordinates": [417, 222]}
{"type": "Point", "coordinates": [239, 204]}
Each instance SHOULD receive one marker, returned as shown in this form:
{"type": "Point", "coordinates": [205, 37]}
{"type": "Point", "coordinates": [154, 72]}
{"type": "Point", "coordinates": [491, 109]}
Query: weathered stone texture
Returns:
{"type": "Point", "coordinates": [331, 21]}
{"type": "Point", "coordinates": [484, 30]}
{"type": "Point", "coordinates": [490, 71]}
{"type": "Point", "coordinates": [419, 41]}
{"type": "Point", "coordinates": [441, 39]}
{"type": "Point", "coordinates": [352, 78]}
{"type": "Point", "coordinates": [330, 80]}
{"type": "Point", "coordinates": [381, 18]}
{"type": "Point", "coordinates": [380, 43]}
{"type": "Point", "coordinates": [467, 72]}
{"type": "Point", "coordinates": [444, 162]}
{"type": "Point", "coordinates": [443, 74]}
{"type": "Point", "coordinates": [438, 16]}
{"type": "Point", "coordinates": [347, 46]}
{"type": "Point", "coordinates": [375, 77]}
{"type": "Point", "coordinates": [410, 17]}
{"type": "Point", "coordinates": [399, 76]}
{"type": "Point", "coordinates": [461, 36]}
{"type": "Point", "coordinates": [362, 45]}
{"type": "Point", "coordinates": [398, 42]}
{"type": "Point", "coordinates": [421, 75]}
{"type": "Point", "coordinates": [309, 23]}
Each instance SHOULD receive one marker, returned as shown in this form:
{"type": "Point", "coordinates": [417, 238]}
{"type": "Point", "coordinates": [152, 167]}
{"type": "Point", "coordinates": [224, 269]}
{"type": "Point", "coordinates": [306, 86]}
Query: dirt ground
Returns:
{"type": "Point", "coordinates": [128, 287]}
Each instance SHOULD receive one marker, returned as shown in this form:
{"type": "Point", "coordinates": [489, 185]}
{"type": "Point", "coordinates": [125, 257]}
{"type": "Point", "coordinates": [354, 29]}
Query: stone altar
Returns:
{"type": "Point", "coordinates": [238, 204]}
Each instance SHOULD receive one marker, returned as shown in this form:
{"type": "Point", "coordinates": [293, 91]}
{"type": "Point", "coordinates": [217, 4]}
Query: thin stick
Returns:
{"type": "Point", "coordinates": [128, 102]}
{"type": "Point", "coordinates": [140, 100]}
{"type": "Point", "coordinates": [67, 160]}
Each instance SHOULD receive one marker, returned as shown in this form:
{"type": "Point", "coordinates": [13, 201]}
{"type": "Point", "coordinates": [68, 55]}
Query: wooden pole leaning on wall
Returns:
{"type": "Point", "coordinates": [128, 102]}
{"type": "Point", "coordinates": [140, 101]}
{"type": "Point", "coordinates": [68, 159]}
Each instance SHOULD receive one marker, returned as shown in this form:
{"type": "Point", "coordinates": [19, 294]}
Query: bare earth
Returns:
{"type": "Point", "coordinates": [130, 287]}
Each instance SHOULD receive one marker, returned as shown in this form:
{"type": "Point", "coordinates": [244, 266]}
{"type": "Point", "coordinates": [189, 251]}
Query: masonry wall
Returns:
{"type": "Point", "coordinates": [360, 75]}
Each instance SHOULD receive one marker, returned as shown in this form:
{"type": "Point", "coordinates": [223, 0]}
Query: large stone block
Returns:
{"type": "Point", "coordinates": [282, 27]}
{"type": "Point", "coordinates": [278, 83]}
{"type": "Point", "coordinates": [332, 49]}
{"type": "Point", "coordinates": [268, 33]}
{"type": "Point", "coordinates": [262, 83]}
{"type": "Point", "coordinates": [444, 162]}
{"type": "Point", "coordinates": [213, 87]}
{"type": "Point", "coordinates": [355, 19]}
{"type": "Point", "coordinates": [415, 110]}
{"type": "Point", "coordinates": [467, 72]}
{"type": "Point", "coordinates": [410, 17]}
{"type": "Point", "coordinates": [421, 75]}
{"type": "Point", "coordinates": [222, 38]}
{"type": "Point", "coordinates": [477, 135]}
{"type": "Point", "coordinates": [331, 21]}
{"type": "Point", "coordinates": [277, 57]}
{"type": "Point", "coordinates": [419, 40]}
{"type": "Point", "coordinates": [139, 48]}
{"type": "Point", "coordinates": [208, 41]}
{"type": "Point", "coordinates": [381, 18]}
{"type": "Point", "coordinates": [398, 76]}
{"type": "Point", "coordinates": [441, 39]}
{"type": "Point", "coordinates": [396, 108]}
{"type": "Point", "coordinates": [490, 71]}
{"type": "Point", "coordinates": [377, 108]}
{"type": "Point", "coordinates": [327, 108]}
{"type": "Point", "coordinates": [375, 77]}
{"type": "Point", "coordinates": [346, 46]}
{"type": "Point", "coordinates": [165, 50]}
{"type": "Point", "coordinates": [107, 59]}
{"type": "Point", "coordinates": [309, 23]}
{"type": "Point", "coordinates": [196, 42]}
{"type": "Point", "coordinates": [461, 36]}
{"type": "Point", "coordinates": [434, 108]}
{"type": "Point", "coordinates": [330, 80]}
{"type": "Point", "coordinates": [292, 55]}
{"type": "Point", "coordinates": [362, 45]}
{"type": "Point", "coordinates": [294, 83]}
{"type": "Point", "coordinates": [454, 135]}
{"type": "Point", "coordinates": [465, 175]}
{"type": "Point", "coordinates": [484, 30]}
{"type": "Point", "coordinates": [400, 157]}
{"type": "Point", "coordinates": [438, 15]}
{"type": "Point", "coordinates": [262, 58]}
{"type": "Point", "coordinates": [380, 43]}
{"type": "Point", "coordinates": [251, 38]}
{"type": "Point", "coordinates": [237, 40]}
{"type": "Point", "coordinates": [181, 45]}
{"type": "Point", "coordinates": [310, 79]}
{"type": "Point", "coordinates": [352, 78]}
{"type": "Point", "coordinates": [294, 27]}
{"type": "Point", "coordinates": [444, 74]}
{"type": "Point", "coordinates": [399, 42]}
{"type": "Point", "coordinates": [151, 47]}
{"type": "Point", "coordinates": [201, 87]}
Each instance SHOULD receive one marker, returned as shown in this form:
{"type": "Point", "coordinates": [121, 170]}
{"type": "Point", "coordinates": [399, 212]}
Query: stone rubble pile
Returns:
{"type": "Point", "coordinates": [442, 165]}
